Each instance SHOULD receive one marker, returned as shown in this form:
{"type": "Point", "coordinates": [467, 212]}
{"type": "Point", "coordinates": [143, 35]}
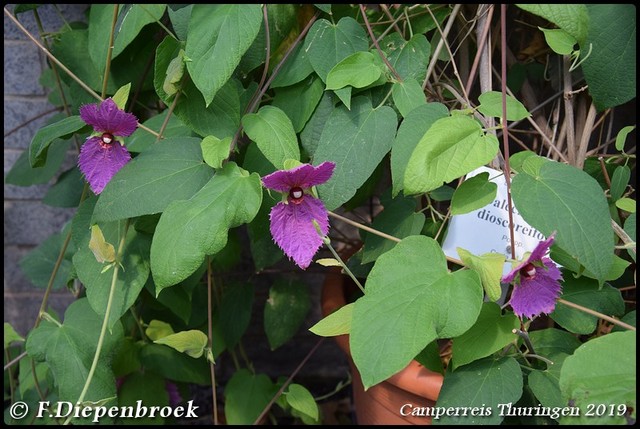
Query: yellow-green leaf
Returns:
{"type": "Point", "coordinates": [158, 329]}
{"type": "Point", "coordinates": [103, 251]}
{"type": "Point", "coordinates": [191, 342]}
{"type": "Point", "coordinates": [337, 323]}
{"type": "Point", "coordinates": [489, 266]}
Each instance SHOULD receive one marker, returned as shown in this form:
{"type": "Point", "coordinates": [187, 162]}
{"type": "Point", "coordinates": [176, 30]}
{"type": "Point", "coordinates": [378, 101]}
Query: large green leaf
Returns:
{"type": "Point", "coordinates": [218, 37]}
{"type": "Point", "coordinates": [491, 332]}
{"type": "Point", "coordinates": [131, 277]}
{"type": "Point", "coordinates": [170, 170]}
{"type": "Point", "coordinates": [487, 384]}
{"type": "Point", "coordinates": [69, 349]}
{"type": "Point", "coordinates": [567, 200]}
{"type": "Point", "coordinates": [246, 396]}
{"type": "Point", "coordinates": [327, 44]}
{"type": "Point", "coordinates": [602, 373]}
{"type": "Point", "coordinates": [300, 100]}
{"type": "Point", "coordinates": [100, 19]}
{"type": "Point", "coordinates": [189, 230]}
{"type": "Point", "coordinates": [413, 127]}
{"type": "Point", "coordinates": [235, 312]}
{"type": "Point", "coordinates": [131, 20]}
{"type": "Point", "coordinates": [357, 70]}
{"type": "Point", "coordinates": [285, 311]}
{"type": "Point", "coordinates": [412, 58]}
{"type": "Point", "coordinates": [552, 340]}
{"type": "Point", "coordinates": [273, 132]}
{"type": "Point", "coordinates": [301, 400]}
{"type": "Point", "coordinates": [46, 135]}
{"type": "Point", "coordinates": [147, 387]}
{"type": "Point", "coordinates": [67, 191]}
{"type": "Point", "coordinates": [295, 69]}
{"type": "Point", "coordinates": [174, 365]}
{"type": "Point", "coordinates": [39, 263]}
{"type": "Point", "coordinates": [610, 70]}
{"type": "Point", "coordinates": [585, 292]}
{"type": "Point", "coordinates": [451, 148]}
{"type": "Point", "coordinates": [491, 105]}
{"type": "Point", "coordinates": [411, 299]}
{"type": "Point", "coordinates": [572, 18]}
{"type": "Point", "coordinates": [310, 135]}
{"type": "Point", "coordinates": [408, 95]}
{"type": "Point", "coordinates": [358, 137]}
{"type": "Point", "coordinates": [399, 220]}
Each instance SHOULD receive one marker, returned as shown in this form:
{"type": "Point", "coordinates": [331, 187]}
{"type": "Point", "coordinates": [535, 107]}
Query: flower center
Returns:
{"type": "Point", "coordinates": [296, 194]}
{"type": "Point", "coordinates": [528, 271]}
{"type": "Point", "coordinates": [107, 139]}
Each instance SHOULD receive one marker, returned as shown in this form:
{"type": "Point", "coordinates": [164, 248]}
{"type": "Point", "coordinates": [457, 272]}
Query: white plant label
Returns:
{"type": "Point", "coordinates": [486, 230]}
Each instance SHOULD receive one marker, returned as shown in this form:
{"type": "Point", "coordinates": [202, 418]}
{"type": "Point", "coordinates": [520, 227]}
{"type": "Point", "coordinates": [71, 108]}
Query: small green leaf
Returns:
{"type": "Point", "coordinates": [358, 70]}
{"type": "Point", "coordinates": [174, 74]}
{"type": "Point", "coordinates": [39, 263]}
{"type": "Point", "coordinates": [246, 396]}
{"type": "Point", "coordinates": [545, 385]}
{"type": "Point", "coordinates": [585, 381]}
{"type": "Point", "coordinates": [23, 174]}
{"type": "Point", "coordinates": [299, 101]}
{"type": "Point", "coordinates": [474, 193]}
{"type": "Point", "coordinates": [158, 329]}
{"type": "Point", "coordinates": [337, 323]}
{"type": "Point", "coordinates": [301, 400]}
{"type": "Point", "coordinates": [452, 147]}
{"type": "Point", "coordinates": [10, 335]}
{"type": "Point", "coordinates": [517, 159]}
{"type": "Point", "coordinates": [408, 95]}
{"type": "Point", "coordinates": [273, 132]}
{"type": "Point", "coordinates": [327, 44]}
{"type": "Point", "coordinates": [148, 387]}
{"type": "Point", "coordinates": [553, 341]}
{"type": "Point", "coordinates": [215, 151]}
{"type": "Point", "coordinates": [626, 204]}
{"type": "Point", "coordinates": [630, 229]}
{"type": "Point", "coordinates": [491, 105]}
{"type": "Point", "coordinates": [46, 135]}
{"type": "Point", "coordinates": [491, 332]}
{"type": "Point", "coordinates": [572, 18]}
{"type": "Point", "coordinates": [488, 384]}
{"type": "Point", "coordinates": [621, 138]}
{"type": "Point", "coordinates": [218, 37]}
{"type": "Point", "coordinates": [489, 266]}
{"type": "Point", "coordinates": [174, 365]}
{"type": "Point", "coordinates": [67, 190]}
{"type": "Point", "coordinates": [285, 311]}
{"type": "Point", "coordinates": [559, 41]}
{"type": "Point", "coordinates": [191, 342]}
{"type": "Point", "coordinates": [103, 251]}
{"type": "Point", "coordinates": [121, 96]}
{"type": "Point", "coordinates": [619, 181]}
{"type": "Point", "coordinates": [326, 8]}
{"type": "Point", "coordinates": [329, 262]}
{"type": "Point", "coordinates": [412, 58]}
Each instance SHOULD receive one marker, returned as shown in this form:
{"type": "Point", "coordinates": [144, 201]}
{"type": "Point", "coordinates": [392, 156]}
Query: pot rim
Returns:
{"type": "Point", "coordinates": [414, 378]}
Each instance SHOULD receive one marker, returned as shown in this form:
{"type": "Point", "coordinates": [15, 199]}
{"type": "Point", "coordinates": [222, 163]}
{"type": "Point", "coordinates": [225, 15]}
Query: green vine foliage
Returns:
{"type": "Point", "coordinates": [163, 260]}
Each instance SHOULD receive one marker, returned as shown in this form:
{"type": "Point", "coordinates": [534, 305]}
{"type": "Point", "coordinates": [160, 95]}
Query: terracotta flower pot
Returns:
{"type": "Point", "coordinates": [383, 403]}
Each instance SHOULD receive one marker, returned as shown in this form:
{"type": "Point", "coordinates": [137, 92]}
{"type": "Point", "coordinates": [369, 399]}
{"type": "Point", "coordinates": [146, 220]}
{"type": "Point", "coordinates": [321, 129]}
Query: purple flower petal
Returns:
{"type": "Point", "coordinates": [537, 294]}
{"type": "Point", "coordinates": [304, 176]}
{"type": "Point", "coordinates": [173, 392]}
{"type": "Point", "coordinates": [108, 118]}
{"type": "Point", "coordinates": [538, 253]}
{"type": "Point", "coordinates": [293, 230]}
{"type": "Point", "coordinates": [99, 164]}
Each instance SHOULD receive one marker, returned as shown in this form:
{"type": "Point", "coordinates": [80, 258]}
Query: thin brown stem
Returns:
{"type": "Point", "coordinates": [377, 45]}
{"type": "Point", "coordinates": [286, 383]}
{"type": "Point", "coordinates": [15, 360]}
{"type": "Point", "coordinates": [484, 22]}
{"type": "Point", "coordinates": [107, 67]}
{"type": "Point", "coordinates": [597, 314]}
{"type": "Point", "coordinates": [28, 121]}
{"type": "Point", "coordinates": [444, 33]}
{"type": "Point", "coordinates": [505, 131]}
{"type": "Point", "coordinates": [212, 369]}
{"type": "Point", "coordinates": [168, 117]}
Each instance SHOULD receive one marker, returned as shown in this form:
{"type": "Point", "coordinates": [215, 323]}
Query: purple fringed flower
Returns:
{"type": "Point", "coordinates": [292, 225]}
{"type": "Point", "coordinates": [536, 283]}
{"type": "Point", "coordinates": [103, 154]}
